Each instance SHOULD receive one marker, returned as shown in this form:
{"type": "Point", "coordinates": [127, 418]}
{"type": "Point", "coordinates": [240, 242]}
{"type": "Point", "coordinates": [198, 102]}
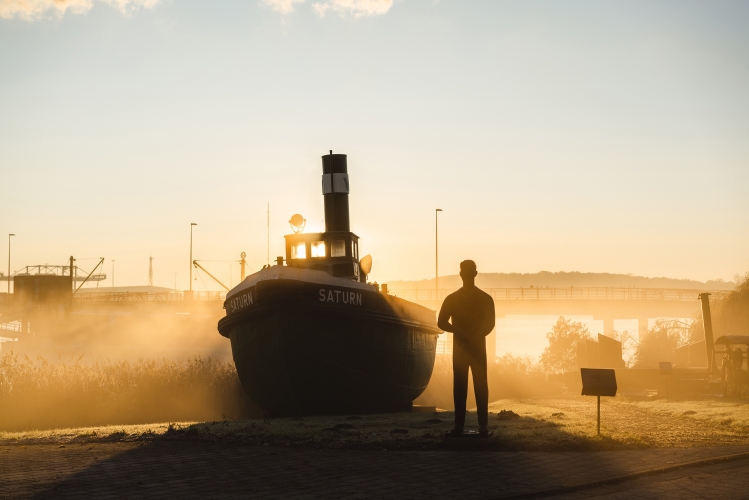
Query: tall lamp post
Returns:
{"type": "Point", "coordinates": [191, 225]}
{"type": "Point", "coordinates": [9, 262]}
{"type": "Point", "coordinates": [436, 256]}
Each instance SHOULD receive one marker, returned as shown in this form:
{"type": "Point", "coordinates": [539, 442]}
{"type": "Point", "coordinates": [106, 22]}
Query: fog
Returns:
{"type": "Point", "coordinates": [134, 365]}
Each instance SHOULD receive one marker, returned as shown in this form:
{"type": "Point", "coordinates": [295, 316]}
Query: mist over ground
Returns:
{"type": "Point", "coordinates": [96, 368]}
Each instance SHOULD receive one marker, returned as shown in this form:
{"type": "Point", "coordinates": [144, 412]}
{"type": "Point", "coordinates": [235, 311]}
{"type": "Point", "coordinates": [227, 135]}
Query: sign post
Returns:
{"type": "Point", "coordinates": [598, 382]}
{"type": "Point", "coordinates": [666, 370]}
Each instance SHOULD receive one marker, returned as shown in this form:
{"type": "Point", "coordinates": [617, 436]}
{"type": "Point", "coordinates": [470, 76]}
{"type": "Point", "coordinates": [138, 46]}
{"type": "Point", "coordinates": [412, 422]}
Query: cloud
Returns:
{"type": "Point", "coordinates": [356, 8]}
{"type": "Point", "coordinates": [282, 6]}
{"type": "Point", "coordinates": [30, 10]}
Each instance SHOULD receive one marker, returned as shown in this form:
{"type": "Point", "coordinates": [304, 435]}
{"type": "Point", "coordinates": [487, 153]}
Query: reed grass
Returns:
{"type": "Point", "coordinates": [39, 394]}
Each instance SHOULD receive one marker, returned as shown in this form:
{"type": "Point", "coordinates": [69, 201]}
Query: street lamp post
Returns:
{"type": "Point", "coordinates": [436, 256]}
{"type": "Point", "coordinates": [191, 225]}
{"type": "Point", "coordinates": [9, 262]}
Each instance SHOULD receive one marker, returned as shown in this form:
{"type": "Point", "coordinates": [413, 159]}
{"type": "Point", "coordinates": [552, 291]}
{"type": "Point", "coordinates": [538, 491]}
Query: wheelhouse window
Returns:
{"type": "Point", "coordinates": [355, 249]}
{"type": "Point", "coordinates": [338, 248]}
{"type": "Point", "coordinates": [299, 251]}
{"type": "Point", "coordinates": [317, 249]}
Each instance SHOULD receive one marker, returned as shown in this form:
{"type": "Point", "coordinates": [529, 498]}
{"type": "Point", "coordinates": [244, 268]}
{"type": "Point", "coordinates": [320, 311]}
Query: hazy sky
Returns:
{"type": "Point", "coordinates": [575, 136]}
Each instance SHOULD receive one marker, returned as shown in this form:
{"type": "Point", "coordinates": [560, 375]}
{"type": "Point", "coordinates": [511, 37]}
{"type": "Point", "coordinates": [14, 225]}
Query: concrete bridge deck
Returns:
{"type": "Point", "coordinates": [602, 303]}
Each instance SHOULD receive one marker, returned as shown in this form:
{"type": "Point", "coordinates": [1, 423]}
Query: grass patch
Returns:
{"type": "Point", "coordinates": [553, 424]}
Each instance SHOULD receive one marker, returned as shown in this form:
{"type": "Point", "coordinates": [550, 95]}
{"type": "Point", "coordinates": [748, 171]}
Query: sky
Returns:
{"type": "Point", "coordinates": [593, 136]}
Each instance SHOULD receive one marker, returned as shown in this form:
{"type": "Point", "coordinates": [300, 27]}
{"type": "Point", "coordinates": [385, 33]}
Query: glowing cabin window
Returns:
{"type": "Point", "coordinates": [298, 251]}
{"type": "Point", "coordinates": [338, 248]}
{"type": "Point", "coordinates": [317, 249]}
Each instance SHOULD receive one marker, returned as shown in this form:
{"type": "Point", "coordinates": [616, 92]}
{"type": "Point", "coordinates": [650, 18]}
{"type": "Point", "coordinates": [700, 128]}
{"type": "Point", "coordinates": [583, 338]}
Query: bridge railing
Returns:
{"type": "Point", "coordinates": [11, 326]}
{"type": "Point", "coordinates": [572, 293]}
{"type": "Point", "coordinates": [145, 296]}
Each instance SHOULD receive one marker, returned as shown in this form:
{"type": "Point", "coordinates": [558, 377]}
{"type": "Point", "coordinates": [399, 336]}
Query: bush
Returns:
{"type": "Point", "coordinates": [660, 343]}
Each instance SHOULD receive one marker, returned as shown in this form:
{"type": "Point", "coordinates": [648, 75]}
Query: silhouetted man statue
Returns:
{"type": "Point", "coordinates": [472, 313]}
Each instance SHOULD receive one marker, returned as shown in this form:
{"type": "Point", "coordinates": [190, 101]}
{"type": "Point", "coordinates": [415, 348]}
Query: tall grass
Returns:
{"type": "Point", "coordinates": [38, 394]}
{"type": "Point", "coordinates": [508, 376]}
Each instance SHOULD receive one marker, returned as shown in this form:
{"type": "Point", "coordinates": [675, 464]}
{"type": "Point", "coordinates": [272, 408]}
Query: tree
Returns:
{"type": "Point", "coordinates": [561, 354]}
{"type": "Point", "coordinates": [660, 343]}
{"type": "Point", "coordinates": [732, 312]}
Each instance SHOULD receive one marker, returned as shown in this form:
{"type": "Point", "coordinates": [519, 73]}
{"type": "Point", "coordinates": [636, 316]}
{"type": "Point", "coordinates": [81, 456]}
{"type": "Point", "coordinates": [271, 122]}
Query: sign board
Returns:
{"type": "Point", "coordinates": [665, 367]}
{"type": "Point", "coordinates": [598, 382]}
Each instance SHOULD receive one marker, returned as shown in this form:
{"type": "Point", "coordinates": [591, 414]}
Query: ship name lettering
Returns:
{"type": "Point", "coordinates": [241, 302]}
{"type": "Point", "coordinates": [338, 296]}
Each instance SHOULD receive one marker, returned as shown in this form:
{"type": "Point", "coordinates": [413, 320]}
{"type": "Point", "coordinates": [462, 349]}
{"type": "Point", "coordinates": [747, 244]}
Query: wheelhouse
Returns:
{"type": "Point", "coordinates": [335, 252]}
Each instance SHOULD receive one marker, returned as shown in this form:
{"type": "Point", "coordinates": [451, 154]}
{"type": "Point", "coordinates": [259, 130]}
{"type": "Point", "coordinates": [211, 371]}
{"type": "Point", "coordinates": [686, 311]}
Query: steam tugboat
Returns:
{"type": "Point", "coordinates": [313, 337]}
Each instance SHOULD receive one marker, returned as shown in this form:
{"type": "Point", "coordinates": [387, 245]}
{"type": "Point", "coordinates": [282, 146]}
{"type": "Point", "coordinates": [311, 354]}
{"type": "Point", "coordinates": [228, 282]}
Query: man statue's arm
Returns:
{"type": "Point", "coordinates": [490, 318]}
{"type": "Point", "coordinates": [443, 320]}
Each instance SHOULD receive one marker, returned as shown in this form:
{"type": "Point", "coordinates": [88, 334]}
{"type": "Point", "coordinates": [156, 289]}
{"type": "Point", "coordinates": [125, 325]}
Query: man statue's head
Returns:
{"type": "Point", "coordinates": [468, 272]}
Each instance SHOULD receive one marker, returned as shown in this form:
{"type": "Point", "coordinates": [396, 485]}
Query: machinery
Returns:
{"type": "Point", "coordinates": [730, 351]}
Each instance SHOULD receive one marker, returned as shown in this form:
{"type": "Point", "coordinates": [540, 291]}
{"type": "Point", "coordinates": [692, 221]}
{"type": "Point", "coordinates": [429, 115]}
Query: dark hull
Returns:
{"type": "Point", "coordinates": [297, 356]}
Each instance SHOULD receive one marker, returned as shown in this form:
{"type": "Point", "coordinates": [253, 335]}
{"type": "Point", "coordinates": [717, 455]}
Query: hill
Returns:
{"type": "Point", "coordinates": [565, 280]}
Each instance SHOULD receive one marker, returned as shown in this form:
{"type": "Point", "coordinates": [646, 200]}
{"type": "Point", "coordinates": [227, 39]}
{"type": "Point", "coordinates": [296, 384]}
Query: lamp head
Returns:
{"type": "Point", "coordinates": [297, 223]}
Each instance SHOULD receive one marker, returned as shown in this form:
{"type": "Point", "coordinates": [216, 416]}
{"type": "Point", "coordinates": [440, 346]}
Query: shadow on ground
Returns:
{"type": "Point", "coordinates": [201, 469]}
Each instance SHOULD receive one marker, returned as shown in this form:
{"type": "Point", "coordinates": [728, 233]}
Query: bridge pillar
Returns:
{"type": "Point", "coordinates": [608, 326]}
{"type": "Point", "coordinates": [642, 327]}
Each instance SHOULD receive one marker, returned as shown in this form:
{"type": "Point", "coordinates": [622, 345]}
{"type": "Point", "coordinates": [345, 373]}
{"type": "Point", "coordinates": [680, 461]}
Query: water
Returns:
{"type": "Point", "coordinates": [526, 335]}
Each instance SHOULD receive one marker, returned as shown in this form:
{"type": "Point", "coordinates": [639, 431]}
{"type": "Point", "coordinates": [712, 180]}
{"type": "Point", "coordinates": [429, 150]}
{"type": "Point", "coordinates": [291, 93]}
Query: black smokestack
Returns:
{"type": "Point", "coordinates": [335, 189]}
{"type": "Point", "coordinates": [707, 324]}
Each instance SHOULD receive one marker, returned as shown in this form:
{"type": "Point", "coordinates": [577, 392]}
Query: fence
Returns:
{"type": "Point", "coordinates": [145, 296]}
{"type": "Point", "coordinates": [11, 326]}
{"type": "Point", "coordinates": [445, 344]}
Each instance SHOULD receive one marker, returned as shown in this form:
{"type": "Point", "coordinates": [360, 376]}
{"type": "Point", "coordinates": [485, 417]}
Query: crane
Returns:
{"type": "Point", "coordinates": [242, 263]}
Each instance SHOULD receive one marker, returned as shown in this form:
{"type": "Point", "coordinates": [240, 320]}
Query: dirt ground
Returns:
{"type": "Point", "coordinates": [549, 424]}
{"type": "Point", "coordinates": [658, 423]}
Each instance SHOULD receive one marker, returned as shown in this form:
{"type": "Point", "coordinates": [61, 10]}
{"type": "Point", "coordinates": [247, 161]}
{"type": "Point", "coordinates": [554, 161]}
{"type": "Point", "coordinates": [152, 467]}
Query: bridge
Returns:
{"type": "Point", "coordinates": [16, 320]}
{"type": "Point", "coordinates": [602, 303]}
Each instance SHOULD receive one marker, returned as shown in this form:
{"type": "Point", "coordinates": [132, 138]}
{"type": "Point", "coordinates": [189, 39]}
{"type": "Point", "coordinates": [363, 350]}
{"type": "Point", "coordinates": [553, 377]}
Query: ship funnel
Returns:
{"type": "Point", "coordinates": [335, 190]}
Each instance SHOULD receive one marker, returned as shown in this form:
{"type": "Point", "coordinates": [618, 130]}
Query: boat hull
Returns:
{"type": "Point", "coordinates": [298, 357]}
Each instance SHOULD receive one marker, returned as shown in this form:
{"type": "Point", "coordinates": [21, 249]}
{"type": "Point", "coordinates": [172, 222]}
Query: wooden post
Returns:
{"type": "Point", "coordinates": [599, 415]}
